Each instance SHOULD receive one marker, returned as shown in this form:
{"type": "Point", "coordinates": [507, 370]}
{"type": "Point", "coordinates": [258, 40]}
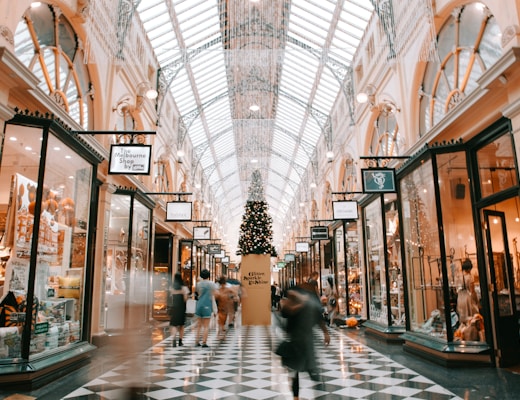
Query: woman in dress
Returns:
{"type": "Point", "coordinates": [178, 297]}
{"type": "Point", "coordinates": [205, 291]}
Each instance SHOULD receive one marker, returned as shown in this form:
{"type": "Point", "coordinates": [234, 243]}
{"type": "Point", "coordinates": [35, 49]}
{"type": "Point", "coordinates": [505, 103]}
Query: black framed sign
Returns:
{"type": "Point", "coordinates": [302, 247]}
{"type": "Point", "coordinates": [178, 211]}
{"type": "Point", "coordinates": [289, 257]}
{"type": "Point", "coordinates": [378, 180]}
{"type": "Point", "coordinates": [201, 232]}
{"type": "Point", "coordinates": [213, 248]}
{"type": "Point", "coordinates": [345, 209]}
{"type": "Point", "coordinates": [130, 159]}
{"type": "Point", "coordinates": [319, 233]}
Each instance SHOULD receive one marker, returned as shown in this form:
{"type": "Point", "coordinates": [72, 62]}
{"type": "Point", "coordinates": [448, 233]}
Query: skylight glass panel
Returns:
{"type": "Point", "coordinates": [196, 36]}
{"type": "Point", "coordinates": [281, 142]}
{"type": "Point", "coordinates": [312, 14]}
{"type": "Point", "coordinates": [299, 29]}
{"type": "Point", "coordinates": [151, 13]}
{"type": "Point", "coordinates": [223, 146]}
{"type": "Point", "coordinates": [200, 8]}
{"type": "Point", "coordinates": [322, 7]}
{"type": "Point", "coordinates": [157, 26]}
{"type": "Point", "coordinates": [197, 134]}
{"type": "Point", "coordinates": [301, 158]}
{"type": "Point", "coordinates": [361, 8]}
{"type": "Point", "coordinates": [344, 42]}
{"type": "Point", "coordinates": [201, 88]}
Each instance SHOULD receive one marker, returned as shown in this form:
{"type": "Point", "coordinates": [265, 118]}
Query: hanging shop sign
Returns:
{"type": "Point", "coordinates": [225, 260]}
{"type": "Point", "coordinates": [214, 249]}
{"type": "Point", "coordinates": [130, 159]}
{"type": "Point", "coordinates": [345, 209]}
{"type": "Point", "coordinates": [378, 180]}
{"type": "Point", "coordinates": [289, 257]}
{"type": "Point", "coordinates": [201, 233]}
{"type": "Point", "coordinates": [280, 264]}
{"type": "Point", "coordinates": [302, 247]}
{"type": "Point", "coordinates": [319, 233]}
{"type": "Point", "coordinates": [178, 211]}
{"type": "Point", "coordinates": [221, 254]}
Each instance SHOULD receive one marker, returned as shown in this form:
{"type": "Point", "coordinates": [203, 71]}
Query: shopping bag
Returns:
{"type": "Point", "coordinates": [291, 355]}
{"type": "Point", "coordinates": [191, 305]}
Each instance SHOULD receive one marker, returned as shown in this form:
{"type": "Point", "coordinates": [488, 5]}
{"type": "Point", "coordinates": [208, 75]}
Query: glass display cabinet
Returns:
{"type": "Point", "coordinates": [386, 298]}
{"type": "Point", "coordinates": [46, 192]}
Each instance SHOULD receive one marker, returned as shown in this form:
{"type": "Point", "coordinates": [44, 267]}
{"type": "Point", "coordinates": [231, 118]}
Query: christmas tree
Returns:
{"type": "Point", "coordinates": [256, 228]}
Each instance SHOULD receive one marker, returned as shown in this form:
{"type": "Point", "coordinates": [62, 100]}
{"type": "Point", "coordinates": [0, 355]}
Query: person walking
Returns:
{"type": "Point", "coordinates": [177, 311]}
{"type": "Point", "coordinates": [313, 281]}
{"type": "Point", "coordinates": [224, 297]}
{"type": "Point", "coordinates": [205, 290]}
{"type": "Point", "coordinates": [277, 297]}
{"type": "Point", "coordinates": [303, 311]}
{"type": "Point", "coordinates": [332, 300]}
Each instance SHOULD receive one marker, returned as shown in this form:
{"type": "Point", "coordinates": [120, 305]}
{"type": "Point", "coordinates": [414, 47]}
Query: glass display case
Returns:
{"type": "Point", "coordinates": [45, 228]}
{"type": "Point", "coordinates": [423, 255]}
{"type": "Point", "coordinates": [438, 242]}
{"type": "Point", "coordinates": [375, 257]}
{"type": "Point", "coordinates": [350, 280]}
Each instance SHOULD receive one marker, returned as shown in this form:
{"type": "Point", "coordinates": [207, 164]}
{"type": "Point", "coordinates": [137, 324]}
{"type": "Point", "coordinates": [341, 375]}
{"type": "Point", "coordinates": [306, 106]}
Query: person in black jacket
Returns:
{"type": "Point", "coordinates": [303, 311]}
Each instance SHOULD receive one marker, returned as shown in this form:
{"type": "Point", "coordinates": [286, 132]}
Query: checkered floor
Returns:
{"type": "Point", "coordinates": [243, 366]}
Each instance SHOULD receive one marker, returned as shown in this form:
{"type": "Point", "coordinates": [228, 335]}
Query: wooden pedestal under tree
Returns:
{"type": "Point", "coordinates": [256, 283]}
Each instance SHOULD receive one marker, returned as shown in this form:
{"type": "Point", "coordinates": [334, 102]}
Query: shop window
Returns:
{"type": "Point", "coordinates": [49, 214]}
{"type": "Point", "coordinates": [497, 169]}
{"type": "Point", "coordinates": [421, 236]}
{"type": "Point", "coordinates": [376, 268]}
{"type": "Point", "coordinates": [126, 281]}
{"type": "Point", "coordinates": [468, 44]}
{"type": "Point", "coordinates": [46, 43]}
{"type": "Point", "coordinates": [351, 275]}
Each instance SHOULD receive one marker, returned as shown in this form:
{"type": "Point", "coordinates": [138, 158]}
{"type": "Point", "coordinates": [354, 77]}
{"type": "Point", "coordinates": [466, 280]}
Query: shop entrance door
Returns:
{"type": "Point", "coordinates": [500, 289]}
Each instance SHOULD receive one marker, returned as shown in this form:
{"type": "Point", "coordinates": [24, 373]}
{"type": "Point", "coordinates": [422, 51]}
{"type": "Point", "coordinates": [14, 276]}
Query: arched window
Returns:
{"type": "Point", "coordinates": [386, 138]}
{"type": "Point", "coordinates": [468, 44]}
{"type": "Point", "coordinates": [348, 182]}
{"type": "Point", "coordinates": [46, 43]}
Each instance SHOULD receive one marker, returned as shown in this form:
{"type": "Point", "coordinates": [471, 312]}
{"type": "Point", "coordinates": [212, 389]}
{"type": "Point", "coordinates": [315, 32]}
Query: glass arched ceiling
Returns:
{"type": "Point", "coordinates": [219, 57]}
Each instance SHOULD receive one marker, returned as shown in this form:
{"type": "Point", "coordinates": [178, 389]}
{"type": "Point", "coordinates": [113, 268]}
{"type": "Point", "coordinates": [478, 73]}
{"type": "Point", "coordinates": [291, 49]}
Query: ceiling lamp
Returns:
{"type": "Point", "coordinates": [254, 107]}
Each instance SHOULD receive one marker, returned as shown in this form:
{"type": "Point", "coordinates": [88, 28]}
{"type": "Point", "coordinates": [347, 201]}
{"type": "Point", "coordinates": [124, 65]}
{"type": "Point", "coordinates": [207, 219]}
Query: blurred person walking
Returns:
{"type": "Point", "coordinates": [225, 298]}
{"type": "Point", "coordinates": [177, 308]}
{"type": "Point", "coordinates": [302, 309]}
{"type": "Point", "coordinates": [332, 300]}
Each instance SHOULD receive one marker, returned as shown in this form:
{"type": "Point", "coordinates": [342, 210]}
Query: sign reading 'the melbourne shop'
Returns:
{"type": "Point", "coordinates": [131, 159]}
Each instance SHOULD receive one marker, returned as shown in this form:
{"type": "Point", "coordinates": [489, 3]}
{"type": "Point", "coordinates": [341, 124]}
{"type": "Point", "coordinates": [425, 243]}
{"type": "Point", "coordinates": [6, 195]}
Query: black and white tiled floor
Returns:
{"type": "Point", "coordinates": [243, 366]}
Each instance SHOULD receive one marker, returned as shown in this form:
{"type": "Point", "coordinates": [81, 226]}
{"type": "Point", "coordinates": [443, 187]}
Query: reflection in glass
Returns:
{"type": "Point", "coordinates": [423, 263]}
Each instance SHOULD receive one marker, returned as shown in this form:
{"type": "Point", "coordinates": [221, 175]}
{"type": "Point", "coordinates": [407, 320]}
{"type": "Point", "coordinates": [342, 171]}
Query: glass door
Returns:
{"type": "Point", "coordinates": [501, 289]}
{"type": "Point", "coordinates": [162, 275]}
